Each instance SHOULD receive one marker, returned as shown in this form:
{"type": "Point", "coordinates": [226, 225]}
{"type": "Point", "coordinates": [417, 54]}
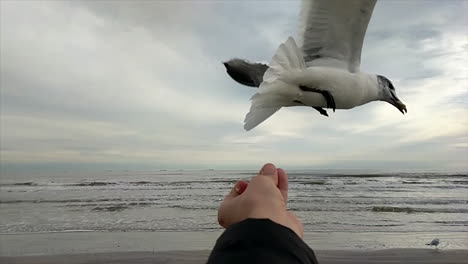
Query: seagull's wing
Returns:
{"type": "Point", "coordinates": [332, 32]}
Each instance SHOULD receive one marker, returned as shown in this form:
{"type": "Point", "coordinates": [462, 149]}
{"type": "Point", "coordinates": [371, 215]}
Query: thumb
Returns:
{"type": "Point", "coordinates": [269, 170]}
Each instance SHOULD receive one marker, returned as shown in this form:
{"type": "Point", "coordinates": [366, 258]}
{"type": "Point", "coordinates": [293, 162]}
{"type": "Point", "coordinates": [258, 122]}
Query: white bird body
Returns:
{"type": "Point", "coordinates": [341, 83]}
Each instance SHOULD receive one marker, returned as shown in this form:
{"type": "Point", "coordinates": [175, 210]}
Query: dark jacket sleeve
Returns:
{"type": "Point", "coordinates": [260, 241]}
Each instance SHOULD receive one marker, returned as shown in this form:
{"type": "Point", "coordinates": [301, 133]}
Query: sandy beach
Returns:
{"type": "Point", "coordinates": [194, 247]}
{"type": "Point", "coordinates": [390, 256]}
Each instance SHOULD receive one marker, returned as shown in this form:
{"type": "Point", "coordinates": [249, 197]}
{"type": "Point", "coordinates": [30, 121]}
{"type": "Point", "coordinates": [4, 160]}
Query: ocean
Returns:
{"type": "Point", "coordinates": [187, 200]}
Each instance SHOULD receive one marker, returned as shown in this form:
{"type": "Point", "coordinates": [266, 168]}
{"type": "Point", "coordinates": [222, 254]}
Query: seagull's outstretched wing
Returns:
{"type": "Point", "coordinates": [332, 32]}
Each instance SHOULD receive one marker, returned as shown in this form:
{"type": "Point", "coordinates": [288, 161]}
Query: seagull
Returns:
{"type": "Point", "coordinates": [320, 70]}
{"type": "Point", "coordinates": [435, 242]}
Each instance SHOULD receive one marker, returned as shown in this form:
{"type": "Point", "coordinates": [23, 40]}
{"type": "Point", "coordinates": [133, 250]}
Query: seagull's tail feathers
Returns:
{"type": "Point", "coordinates": [254, 118]}
{"type": "Point", "coordinates": [246, 73]}
{"type": "Point", "coordinates": [263, 106]}
{"type": "Point", "coordinates": [275, 92]}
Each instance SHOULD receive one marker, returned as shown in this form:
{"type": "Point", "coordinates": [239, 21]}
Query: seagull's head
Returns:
{"type": "Point", "coordinates": [388, 93]}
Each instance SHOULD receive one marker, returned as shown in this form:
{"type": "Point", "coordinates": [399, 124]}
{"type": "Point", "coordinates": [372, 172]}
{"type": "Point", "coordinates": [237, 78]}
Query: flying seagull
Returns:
{"type": "Point", "coordinates": [321, 70]}
{"type": "Point", "coordinates": [435, 242]}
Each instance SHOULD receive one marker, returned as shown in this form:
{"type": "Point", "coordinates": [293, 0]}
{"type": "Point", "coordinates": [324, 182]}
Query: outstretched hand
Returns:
{"type": "Point", "coordinates": [265, 196]}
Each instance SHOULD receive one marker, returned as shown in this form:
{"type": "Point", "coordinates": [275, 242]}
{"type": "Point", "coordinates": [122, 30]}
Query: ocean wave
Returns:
{"type": "Point", "coordinates": [123, 184]}
{"type": "Point", "coordinates": [368, 225]}
{"type": "Point", "coordinates": [119, 207]}
{"type": "Point", "coordinates": [310, 182]}
{"type": "Point", "coordinates": [93, 183]}
{"type": "Point", "coordinates": [394, 209]}
{"type": "Point", "coordinates": [213, 227]}
{"type": "Point", "coordinates": [452, 223]}
{"type": "Point", "coordinates": [145, 183]}
{"type": "Point", "coordinates": [417, 182]}
{"type": "Point", "coordinates": [460, 182]}
{"type": "Point", "coordinates": [112, 208]}
{"type": "Point", "coordinates": [19, 184]}
{"type": "Point", "coordinates": [194, 207]}
{"type": "Point", "coordinates": [437, 202]}
{"type": "Point", "coordinates": [377, 209]}
{"type": "Point", "coordinates": [357, 200]}
{"type": "Point", "coordinates": [337, 175]}
{"type": "Point", "coordinates": [82, 201]}
{"type": "Point", "coordinates": [455, 181]}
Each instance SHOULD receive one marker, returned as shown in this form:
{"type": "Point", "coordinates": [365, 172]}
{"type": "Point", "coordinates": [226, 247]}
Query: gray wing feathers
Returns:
{"type": "Point", "coordinates": [332, 32]}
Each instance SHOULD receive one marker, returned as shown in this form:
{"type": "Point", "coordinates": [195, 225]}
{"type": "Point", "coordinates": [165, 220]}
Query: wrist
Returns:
{"type": "Point", "coordinates": [282, 218]}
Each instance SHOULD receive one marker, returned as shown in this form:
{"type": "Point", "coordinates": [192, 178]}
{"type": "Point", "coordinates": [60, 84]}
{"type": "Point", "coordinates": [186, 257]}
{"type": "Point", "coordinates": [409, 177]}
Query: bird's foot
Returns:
{"type": "Point", "coordinates": [321, 111]}
{"type": "Point", "coordinates": [328, 96]}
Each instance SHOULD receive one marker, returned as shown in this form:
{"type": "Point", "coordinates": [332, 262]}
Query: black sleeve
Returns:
{"type": "Point", "coordinates": [260, 241]}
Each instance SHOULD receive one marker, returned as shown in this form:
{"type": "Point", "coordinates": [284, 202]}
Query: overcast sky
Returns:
{"type": "Point", "coordinates": [141, 85]}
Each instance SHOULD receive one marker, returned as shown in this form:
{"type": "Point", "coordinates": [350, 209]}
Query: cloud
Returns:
{"type": "Point", "coordinates": [141, 82]}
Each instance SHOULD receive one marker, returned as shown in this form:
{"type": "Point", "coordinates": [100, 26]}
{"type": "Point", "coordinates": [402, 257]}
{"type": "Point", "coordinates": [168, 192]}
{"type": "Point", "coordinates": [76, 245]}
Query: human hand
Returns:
{"type": "Point", "coordinates": [265, 196]}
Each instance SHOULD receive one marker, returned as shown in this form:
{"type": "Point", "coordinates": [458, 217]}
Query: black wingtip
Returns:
{"type": "Point", "coordinates": [228, 65]}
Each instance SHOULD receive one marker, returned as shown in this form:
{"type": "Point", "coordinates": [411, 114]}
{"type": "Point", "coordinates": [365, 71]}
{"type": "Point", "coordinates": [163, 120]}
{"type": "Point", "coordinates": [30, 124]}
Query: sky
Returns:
{"type": "Point", "coordinates": [140, 84]}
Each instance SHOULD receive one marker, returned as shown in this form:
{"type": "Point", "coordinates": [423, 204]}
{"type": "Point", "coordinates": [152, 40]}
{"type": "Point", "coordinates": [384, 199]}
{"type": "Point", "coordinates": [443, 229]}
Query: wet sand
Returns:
{"type": "Point", "coordinates": [194, 247]}
{"type": "Point", "coordinates": [97, 242]}
{"type": "Point", "coordinates": [409, 256]}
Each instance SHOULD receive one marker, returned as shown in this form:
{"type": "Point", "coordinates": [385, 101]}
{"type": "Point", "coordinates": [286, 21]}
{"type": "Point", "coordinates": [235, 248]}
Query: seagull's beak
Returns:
{"type": "Point", "coordinates": [400, 106]}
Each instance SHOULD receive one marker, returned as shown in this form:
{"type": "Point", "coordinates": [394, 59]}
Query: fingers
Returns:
{"type": "Point", "coordinates": [269, 170]}
{"type": "Point", "coordinates": [238, 189]}
{"type": "Point", "coordinates": [283, 184]}
{"type": "Point", "coordinates": [241, 186]}
{"type": "Point", "coordinates": [224, 211]}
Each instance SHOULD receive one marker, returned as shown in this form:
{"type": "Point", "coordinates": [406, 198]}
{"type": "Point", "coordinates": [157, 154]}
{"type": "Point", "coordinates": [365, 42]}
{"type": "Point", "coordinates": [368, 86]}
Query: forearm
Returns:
{"type": "Point", "coordinates": [260, 241]}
